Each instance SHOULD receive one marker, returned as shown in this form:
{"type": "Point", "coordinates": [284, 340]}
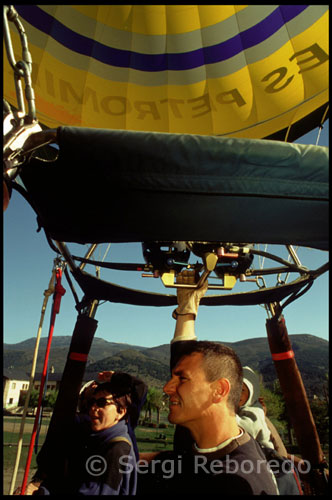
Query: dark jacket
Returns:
{"type": "Point", "coordinates": [62, 459]}
{"type": "Point", "coordinates": [100, 463]}
{"type": "Point", "coordinates": [114, 445]}
{"type": "Point", "coordinates": [238, 469]}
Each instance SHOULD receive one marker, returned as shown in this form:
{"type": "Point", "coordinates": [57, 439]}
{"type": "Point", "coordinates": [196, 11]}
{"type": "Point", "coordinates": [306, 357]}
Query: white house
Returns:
{"type": "Point", "coordinates": [16, 384]}
{"type": "Point", "coordinates": [13, 391]}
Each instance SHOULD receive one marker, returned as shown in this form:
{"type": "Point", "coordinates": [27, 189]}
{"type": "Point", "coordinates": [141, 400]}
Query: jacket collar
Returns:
{"type": "Point", "coordinates": [235, 443]}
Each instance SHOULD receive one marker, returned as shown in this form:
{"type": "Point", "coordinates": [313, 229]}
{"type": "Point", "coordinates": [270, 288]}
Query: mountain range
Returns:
{"type": "Point", "coordinates": [152, 363]}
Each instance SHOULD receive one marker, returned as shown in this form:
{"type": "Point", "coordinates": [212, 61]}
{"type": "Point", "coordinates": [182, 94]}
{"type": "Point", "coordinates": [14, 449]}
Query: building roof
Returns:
{"type": "Point", "coordinates": [51, 377]}
{"type": "Point", "coordinates": [16, 374]}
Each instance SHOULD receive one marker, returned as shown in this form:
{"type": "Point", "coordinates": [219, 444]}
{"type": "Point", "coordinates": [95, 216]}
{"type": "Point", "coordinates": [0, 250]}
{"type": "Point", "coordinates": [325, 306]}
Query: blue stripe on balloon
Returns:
{"type": "Point", "coordinates": [159, 62]}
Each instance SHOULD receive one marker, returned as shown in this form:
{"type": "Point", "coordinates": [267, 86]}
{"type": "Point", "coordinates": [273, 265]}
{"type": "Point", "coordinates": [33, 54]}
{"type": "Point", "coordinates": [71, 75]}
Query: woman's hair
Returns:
{"type": "Point", "coordinates": [120, 388]}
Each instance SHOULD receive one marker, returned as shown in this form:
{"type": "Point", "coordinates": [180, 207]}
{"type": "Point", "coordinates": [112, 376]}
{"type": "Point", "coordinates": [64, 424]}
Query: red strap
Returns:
{"type": "Point", "coordinates": [283, 355]}
{"type": "Point", "coordinates": [297, 482]}
{"type": "Point", "coordinates": [78, 356]}
{"type": "Point", "coordinates": [58, 292]}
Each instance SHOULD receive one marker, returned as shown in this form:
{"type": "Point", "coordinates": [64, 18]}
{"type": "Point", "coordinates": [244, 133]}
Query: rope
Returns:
{"type": "Point", "coordinates": [58, 293]}
{"type": "Point", "coordinates": [39, 425]}
{"type": "Point", "coordinates": [47, 294]}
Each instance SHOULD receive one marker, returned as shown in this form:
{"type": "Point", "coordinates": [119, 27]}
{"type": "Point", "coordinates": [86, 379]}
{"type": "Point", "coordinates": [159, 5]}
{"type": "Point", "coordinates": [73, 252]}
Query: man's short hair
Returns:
{"type": "Point", "coordinates": [220, 361]}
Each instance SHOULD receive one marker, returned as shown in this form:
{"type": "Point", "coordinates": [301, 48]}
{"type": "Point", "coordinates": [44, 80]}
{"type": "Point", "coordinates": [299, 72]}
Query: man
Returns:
{"type": "Point", "coordinates": [204, 392]}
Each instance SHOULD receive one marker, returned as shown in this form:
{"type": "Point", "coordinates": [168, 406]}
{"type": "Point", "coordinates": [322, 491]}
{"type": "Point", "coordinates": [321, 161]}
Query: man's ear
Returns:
{"type": "Point", "coordinates": [221, 389]}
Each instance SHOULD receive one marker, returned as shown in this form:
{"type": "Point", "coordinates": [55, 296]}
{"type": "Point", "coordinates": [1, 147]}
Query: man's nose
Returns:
{"type": "Point", "coordinates": [169, 387]}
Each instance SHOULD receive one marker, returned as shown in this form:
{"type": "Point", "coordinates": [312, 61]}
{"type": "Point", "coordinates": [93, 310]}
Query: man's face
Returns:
{"type": "Point", "coordinates": [106, 416]}
{"type": "Point", "coordinates": [189, 392]}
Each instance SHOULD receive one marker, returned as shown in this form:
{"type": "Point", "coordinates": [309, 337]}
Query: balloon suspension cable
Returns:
{"type": "Point", "coordinates": [273, 309]}
{"type": "Point", "coordinates": [62, 247]}
{"type": "Point", "coordinates": [292, 255]}
{"type": "Point", "coordinates": [321, 124]}
{"type": "Point", "coordinates": [287, 133]}
{"type": "Point", "coordinates": [59, 291]}
{"type": "Point", "coordinates": [72, 288]}
{"type": "Point", "coordinates": [261, 265]}
{"type": "Point", "coordinates": [89, 254]}
{"type": "Point", "coordinates": [102, 260]}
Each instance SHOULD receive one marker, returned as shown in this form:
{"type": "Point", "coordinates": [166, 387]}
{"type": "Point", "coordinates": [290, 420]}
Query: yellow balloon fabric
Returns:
{"type": "Point", "coordinates": [240, 71]}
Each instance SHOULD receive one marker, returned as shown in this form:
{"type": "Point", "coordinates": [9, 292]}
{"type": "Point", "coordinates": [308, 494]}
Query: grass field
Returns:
{"type": "Point", "coordinates": [148, 440]}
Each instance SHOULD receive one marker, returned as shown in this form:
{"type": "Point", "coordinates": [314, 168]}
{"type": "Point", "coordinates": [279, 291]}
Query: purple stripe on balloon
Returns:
{"type": "Point", "coordinates": [159, 62]}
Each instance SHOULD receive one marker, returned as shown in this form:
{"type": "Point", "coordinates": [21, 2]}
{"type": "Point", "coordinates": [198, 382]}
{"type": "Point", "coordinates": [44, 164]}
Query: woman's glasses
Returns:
{"type": "Point", "coordinates": [100, 402]}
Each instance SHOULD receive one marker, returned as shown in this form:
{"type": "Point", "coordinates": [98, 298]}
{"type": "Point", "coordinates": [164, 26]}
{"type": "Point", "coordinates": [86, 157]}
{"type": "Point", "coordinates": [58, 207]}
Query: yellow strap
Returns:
{"type": "Point", "coordinates": [120, 438]}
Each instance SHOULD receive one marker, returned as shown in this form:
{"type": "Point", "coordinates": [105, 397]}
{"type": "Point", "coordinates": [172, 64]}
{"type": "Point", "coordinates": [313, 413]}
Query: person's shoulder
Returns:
{"type": "Point", "coordinates": [248, 446]}
{"type": "Point", "coordinates": [119, 465]}
{"type": "Point", "coordinates": [252, 466]}
{"type": "Point", "coordinates": [118, 445]}
{"type": "Point", "coordinates": [119, 454]}
{"type": "Point", "coordinates": [248, 450]}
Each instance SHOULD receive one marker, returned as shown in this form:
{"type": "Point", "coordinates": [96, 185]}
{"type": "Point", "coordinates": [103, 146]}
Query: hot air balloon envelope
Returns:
{"type": "Point", "coordinates": [256, 71]}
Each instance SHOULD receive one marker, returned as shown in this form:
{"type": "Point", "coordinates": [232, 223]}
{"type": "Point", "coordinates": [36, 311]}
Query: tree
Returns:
{"type": "Point", "coordinates": [275, 405]}
{"type": "Point", "coordinates": [154, 401]}
{"type": "Point", "coordinates": [320, 413]}
{"type": "Point", "coordinates": [51, 398]}
{"type": "Point", "coordinates": [157, 401]}
{"type": "Point", "coordinates": [34, 396]}
{"type": "Point", "coordinates": [147, 406]}
{"type": "Point", "coordinates": [48, 400]}
{"type": "Point", "coordinates": [326, 388]}
{"type": "Point", "coordinates": [284, 414]}
{"type": "Point", "coordinates": [274, 402]}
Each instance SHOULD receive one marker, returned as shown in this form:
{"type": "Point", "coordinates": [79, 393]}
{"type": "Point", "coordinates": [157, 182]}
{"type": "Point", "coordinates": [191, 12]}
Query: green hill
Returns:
{"type": "Point", "coordinates": [152, 371]}
{"type": "Point", "coordinates": [152, 364]}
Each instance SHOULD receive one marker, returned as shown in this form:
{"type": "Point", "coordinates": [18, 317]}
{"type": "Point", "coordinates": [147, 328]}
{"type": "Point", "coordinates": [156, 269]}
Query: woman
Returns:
{"type": "Point", "coordinates": [101, 459]}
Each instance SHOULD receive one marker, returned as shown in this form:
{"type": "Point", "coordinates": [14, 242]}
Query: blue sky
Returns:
{"type": "Point", "coordinates": [28, 262]}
